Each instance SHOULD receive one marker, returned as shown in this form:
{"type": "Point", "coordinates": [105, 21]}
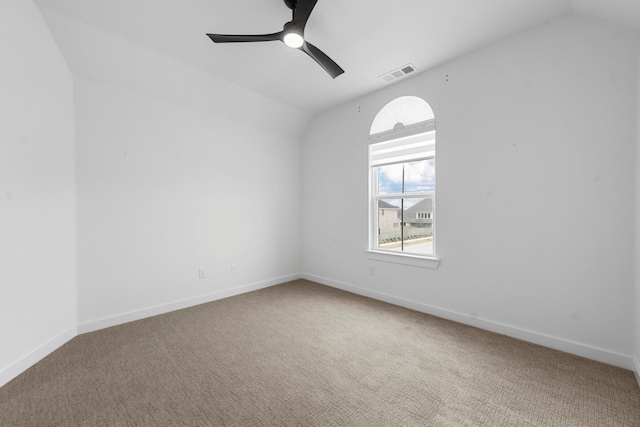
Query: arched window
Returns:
{"type": "Point", "coordinates": [402, 162]}
{"type": "Point", "coordinates": [401, 112]}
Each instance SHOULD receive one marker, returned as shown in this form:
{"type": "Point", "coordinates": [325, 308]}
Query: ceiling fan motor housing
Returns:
{"type": "Point", "coordinates": [291, 4]}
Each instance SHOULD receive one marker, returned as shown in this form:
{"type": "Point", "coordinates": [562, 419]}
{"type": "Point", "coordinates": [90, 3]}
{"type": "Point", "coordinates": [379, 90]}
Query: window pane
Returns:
{"type": "Point", "coordinates": [410, 177]}
{"type": "Point", "coordinates": [406, 225]}
{"type": "Point", "coordinates": [389, 224]}
{"type": "Point", "coordinates": [406, 110]}
{"type": "Point", "coordinates": [417, 225]}
{"type": "Point", "coordinates": [420, 176]}
{"type": "Point", "coordinates": [390, 179]}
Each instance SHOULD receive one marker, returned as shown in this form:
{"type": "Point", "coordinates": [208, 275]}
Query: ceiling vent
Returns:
{"type": "Point", "coordinates": [398, 74]}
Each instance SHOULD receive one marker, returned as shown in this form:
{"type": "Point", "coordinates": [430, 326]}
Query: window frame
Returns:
{"type": "Point", "coordinates": [374, 252]}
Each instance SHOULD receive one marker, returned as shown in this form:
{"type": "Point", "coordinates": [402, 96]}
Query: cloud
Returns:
{"type": "Point", "coordinates": [418, 176]}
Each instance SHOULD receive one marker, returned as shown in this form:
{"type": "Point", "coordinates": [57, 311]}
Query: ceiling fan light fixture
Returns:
{"type": "Point", "coordinates": [293, 40]}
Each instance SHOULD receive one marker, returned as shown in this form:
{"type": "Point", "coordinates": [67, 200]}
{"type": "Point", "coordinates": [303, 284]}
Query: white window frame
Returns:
{"type": "Point", "coordinates": [413, 132]}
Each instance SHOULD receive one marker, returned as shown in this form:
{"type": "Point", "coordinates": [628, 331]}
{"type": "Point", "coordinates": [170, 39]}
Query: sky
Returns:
{"type": "Point", "coordinates": [418, 177]}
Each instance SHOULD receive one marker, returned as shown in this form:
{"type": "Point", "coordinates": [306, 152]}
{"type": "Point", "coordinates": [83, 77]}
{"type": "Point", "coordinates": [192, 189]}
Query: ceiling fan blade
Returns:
{"type": "Point", "coordinates": [302, 11]}
{"type": "Point", "coordinates": [237, 38]}
{"type": "Point", "coordinates": [322, 59]}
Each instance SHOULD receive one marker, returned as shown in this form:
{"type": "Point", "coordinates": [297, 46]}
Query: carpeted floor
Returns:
{"type": "Point", "coordinates": [302, 354]}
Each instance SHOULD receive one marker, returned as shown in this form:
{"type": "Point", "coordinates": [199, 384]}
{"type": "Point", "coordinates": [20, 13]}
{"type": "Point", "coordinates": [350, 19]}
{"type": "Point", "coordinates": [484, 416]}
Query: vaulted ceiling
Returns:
{"type": "Point", "coordinates": [366, 37]}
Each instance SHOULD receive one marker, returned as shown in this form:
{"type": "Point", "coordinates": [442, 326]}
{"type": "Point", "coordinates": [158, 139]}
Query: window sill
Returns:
{"type": "Point", "coordinates": [413, 260]}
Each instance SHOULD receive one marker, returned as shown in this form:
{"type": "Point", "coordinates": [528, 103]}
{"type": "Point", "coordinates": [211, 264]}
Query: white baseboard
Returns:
{"type": "Point", "coordinates": [119, 319]}
{"type": "Point", "coordinates": [636, 369]}
{"type": "Point", "coordinates": [39, 353]}
{"type": "Point", "coordinates": [583, 350]}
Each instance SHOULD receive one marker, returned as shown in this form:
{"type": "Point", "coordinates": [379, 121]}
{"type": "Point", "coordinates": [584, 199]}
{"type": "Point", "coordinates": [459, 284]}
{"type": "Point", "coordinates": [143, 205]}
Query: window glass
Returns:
{"type": "Point", "coordinates": [410, 177]}
{"type": "Point", "coordinates": [406, 110]}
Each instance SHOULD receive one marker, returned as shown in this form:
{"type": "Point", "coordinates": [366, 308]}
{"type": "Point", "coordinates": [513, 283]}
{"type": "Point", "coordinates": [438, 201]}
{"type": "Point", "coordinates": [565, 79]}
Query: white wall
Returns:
{"type": "Point", "coordinates": [535, 178]}
{"type": "Point", "coordinates": [37, 192]}
{"type": "Point", "coordinates": [165, 190]}
{"type": "Point", "coordinates": [177, 171]}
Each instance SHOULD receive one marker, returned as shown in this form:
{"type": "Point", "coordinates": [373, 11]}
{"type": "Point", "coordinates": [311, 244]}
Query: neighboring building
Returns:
{"type": "Point", "coordinates": [415, 222]}
{"type": "Point", "coordinates": [388, 217]}
{"type": "Point", "coordinates": [420, 215]}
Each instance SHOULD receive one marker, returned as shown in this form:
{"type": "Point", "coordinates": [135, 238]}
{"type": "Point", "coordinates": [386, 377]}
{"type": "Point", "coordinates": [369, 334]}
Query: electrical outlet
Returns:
{"type": "Point", "coordinates": [234, 269]}
{"type": "Point", "coordinates": [202, 274]}
{"type": "Point", "coordinates": [372, 271]}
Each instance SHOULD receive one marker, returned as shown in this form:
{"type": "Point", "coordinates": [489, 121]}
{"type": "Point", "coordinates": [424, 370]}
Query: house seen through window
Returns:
{"type": "Point", "coordinates": [402, 178]}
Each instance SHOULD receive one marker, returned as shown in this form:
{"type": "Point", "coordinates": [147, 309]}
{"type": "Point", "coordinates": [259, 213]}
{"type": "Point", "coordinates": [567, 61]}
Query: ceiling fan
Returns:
{"type": "Point", "coordinates": [292, 35]}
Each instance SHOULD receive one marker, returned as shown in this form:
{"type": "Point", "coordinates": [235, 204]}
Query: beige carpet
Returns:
{"type": "Point", "coordinates": [301, 354]}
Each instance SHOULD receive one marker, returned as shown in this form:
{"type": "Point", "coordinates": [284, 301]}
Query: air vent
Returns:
{"type": "Point", "coordinates": [398, 74]}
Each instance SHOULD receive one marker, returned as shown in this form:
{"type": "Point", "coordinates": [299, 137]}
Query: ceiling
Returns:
{"type": "Point", "coordinates": [367, 38]}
